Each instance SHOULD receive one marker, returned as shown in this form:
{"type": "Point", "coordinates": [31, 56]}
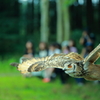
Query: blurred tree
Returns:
{"type": "Point", "coordinates": [90, 14]}
{"type": "Point", "coordinates": [44, 20]}
{"type": "Point", "coordinates": [9, 26]}
{"type": "Point", "coordinates": [36, 16]}
{"type": "Point", "coordinates": [30, 17]}
{"type": "Point", "coordinates": [63, 21]}
{"type": "Point", "coordinates": [59, 21]}
{"type": "Point", "coordinates": [77, 16]}
{"type": "Point", "coordinates": [52, 20]}
{"type": "Point", "coordinates": [98, 16]}
{"type": "Point", "coordinates": [66, 19]}
{"type": "Point", "coordinates": [23, 8]}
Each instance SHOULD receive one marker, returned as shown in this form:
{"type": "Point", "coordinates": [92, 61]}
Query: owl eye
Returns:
{"type": "Point", "coordinates": [69, 66]}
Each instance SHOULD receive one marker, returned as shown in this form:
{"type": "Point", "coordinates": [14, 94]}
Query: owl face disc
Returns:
{"type": "Point", "coordinates": [75, 69]}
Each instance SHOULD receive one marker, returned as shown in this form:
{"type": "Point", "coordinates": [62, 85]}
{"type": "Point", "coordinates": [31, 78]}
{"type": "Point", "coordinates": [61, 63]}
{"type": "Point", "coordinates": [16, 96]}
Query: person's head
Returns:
{"type": "Point", "coordinates": [29, 45]}
{"type": "Point", "coordinates": [52, 47]}
{"type": "Point", "coordinates": [86, 32]}
{"type": "Point", "coordinates": [65, 45]}
{"type": "Point", "coordinates": [72, 43]}
{"type": "Point", "coordinates": [42, 46]}
{"type": "Point", "coordinates": [57, 45]}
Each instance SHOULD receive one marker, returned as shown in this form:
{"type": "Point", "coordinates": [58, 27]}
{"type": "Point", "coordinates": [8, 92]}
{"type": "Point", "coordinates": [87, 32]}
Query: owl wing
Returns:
{"type": "Point", "coordinates": [38, 64]}
{"type": "Point", "coordinates": [93, 56]}
{"type": "Point", "coordinates": [53, 61]}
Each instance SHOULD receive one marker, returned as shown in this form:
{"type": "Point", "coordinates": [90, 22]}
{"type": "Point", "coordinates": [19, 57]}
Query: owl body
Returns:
{"type": "Point", "coordinates": [93, 72]}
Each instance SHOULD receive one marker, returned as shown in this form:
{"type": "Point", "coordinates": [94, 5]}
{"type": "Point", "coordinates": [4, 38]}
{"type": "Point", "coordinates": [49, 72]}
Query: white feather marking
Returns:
{"type": "Point", "coordinates": [86, 65]}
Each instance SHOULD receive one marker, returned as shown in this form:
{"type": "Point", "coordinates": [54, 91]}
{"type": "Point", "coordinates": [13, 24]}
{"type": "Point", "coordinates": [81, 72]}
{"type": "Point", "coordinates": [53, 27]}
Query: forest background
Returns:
{"type": "Point", "coordinates": [45, 20]}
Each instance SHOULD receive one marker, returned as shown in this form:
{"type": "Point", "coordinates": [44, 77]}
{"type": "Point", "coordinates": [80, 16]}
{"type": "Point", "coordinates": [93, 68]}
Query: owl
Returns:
{"type": "Point", "coordinates": [73, 64]}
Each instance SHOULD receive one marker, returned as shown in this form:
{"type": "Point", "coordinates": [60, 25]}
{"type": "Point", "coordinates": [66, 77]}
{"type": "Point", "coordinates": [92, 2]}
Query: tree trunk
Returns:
{"type": "Point", "coordinates": [23, 8]}
{"type": "Point", "coordinates": [44, 20]}
{"type": "Point", "coordinates": [90, 14]}
{"type": "Point", "coordinates": [63, 21]}
{"type": "Point", "coordinates": [59, 21]}
{"type": "Point", "coordinates": [98, 16]}
{"type": "Point", "coordinates": [66, 22]}
{"type": "Point", "coordinates": [36, 15]}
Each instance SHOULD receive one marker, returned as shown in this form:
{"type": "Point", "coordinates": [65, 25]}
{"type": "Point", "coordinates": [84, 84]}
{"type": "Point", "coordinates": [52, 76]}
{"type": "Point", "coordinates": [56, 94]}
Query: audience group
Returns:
{"type": "Point", "coordinates": [50, 74]}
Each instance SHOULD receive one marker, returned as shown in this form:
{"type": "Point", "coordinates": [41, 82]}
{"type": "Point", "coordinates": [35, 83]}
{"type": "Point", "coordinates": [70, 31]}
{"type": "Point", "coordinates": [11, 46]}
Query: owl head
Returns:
{"type": "Point", "coordinates": [74, 69]}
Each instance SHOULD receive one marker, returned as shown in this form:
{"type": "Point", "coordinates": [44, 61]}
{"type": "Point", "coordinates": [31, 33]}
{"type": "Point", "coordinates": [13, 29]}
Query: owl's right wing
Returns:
{"type": "Point", "coordinates": [93, 56]}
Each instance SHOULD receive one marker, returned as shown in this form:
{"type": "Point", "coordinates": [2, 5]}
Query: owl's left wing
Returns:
{"type": "Point", "coordinates": [54, 61]}
{"type": "Point", "coordinates": [93, 56]}
{"type": "Point", "coordinates": [38, 64]}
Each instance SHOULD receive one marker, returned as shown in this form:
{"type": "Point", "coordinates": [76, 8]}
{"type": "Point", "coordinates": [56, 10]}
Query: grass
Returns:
{"type": "Point", "coordinates": [13, 86]}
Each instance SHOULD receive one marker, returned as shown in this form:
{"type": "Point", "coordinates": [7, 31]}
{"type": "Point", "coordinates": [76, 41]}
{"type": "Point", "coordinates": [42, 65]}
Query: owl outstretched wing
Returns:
{"type": "Point", "coordinates": [93, 56]}
{"type": "Point", "coordinates": [53, 61]}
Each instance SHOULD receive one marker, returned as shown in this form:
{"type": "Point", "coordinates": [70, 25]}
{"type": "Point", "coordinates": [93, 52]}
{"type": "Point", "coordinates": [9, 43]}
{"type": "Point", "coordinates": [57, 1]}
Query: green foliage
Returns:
{"type": "Point", "coordinates": [69, 2]}
{"type": "Point", "coordinates": [12, 25]}
{"type": "Point", "coordinates": [5, 64]}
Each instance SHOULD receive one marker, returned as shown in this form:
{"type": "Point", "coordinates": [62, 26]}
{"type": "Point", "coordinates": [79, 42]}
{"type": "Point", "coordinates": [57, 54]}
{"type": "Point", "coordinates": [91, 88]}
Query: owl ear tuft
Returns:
{"type": "Point", "coordinates": [14, 64]}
